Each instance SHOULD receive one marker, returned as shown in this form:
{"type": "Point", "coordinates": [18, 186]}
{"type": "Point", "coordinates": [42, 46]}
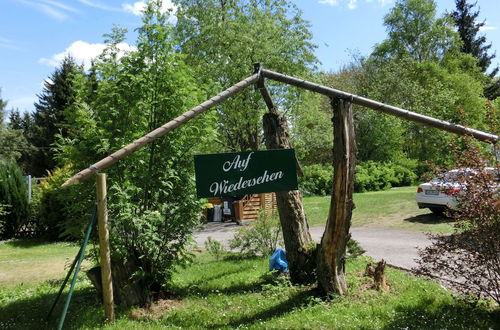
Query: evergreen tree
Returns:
{"type": "Point", "coordinates": [13, 198]}
{"type": "Point", "coordinates": [3, 105]}
{"type": "Point", "coordinates": [12, 142]}
{"type": "Point", "coordinates": [468, 28]}
{"type": "Point", "coordinates": [49, 118]}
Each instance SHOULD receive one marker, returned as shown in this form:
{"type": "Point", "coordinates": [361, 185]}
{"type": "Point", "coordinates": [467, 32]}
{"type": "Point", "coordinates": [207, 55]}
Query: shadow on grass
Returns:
{"type": "Point", "coordinates": [31, 312]}
{"type": "Point", "coordinates": [26, 243]}
{"type": "Point", "coordinates": [426, 314]}
{"type": "Point", "coordinates": [429, 219]}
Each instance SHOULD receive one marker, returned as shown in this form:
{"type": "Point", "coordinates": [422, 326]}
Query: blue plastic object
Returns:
{"type": "Point", "coordinates": [278, 261]}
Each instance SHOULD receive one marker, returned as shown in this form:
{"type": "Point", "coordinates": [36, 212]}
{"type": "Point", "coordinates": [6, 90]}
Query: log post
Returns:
{"type": "Point", "coordinates": [331, 254]}
{"type": "Point", "coordinates": [102, 221]}
{"type": "Point", "coordinates": [299, 245]}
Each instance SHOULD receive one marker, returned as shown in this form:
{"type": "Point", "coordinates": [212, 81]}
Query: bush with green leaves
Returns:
{"type": "Point", "coordinates": [13, 198]}
{"type": "Point", "coordinates": [214, 247]}
{"type": "Point", "coordinates": [373, 176]}
{"type": "Point", "coordinates": [261, 237]}
{"type": "Point", "coordinates": [317, 180]}
{"type": "Point", "coordinates": [54, 208]}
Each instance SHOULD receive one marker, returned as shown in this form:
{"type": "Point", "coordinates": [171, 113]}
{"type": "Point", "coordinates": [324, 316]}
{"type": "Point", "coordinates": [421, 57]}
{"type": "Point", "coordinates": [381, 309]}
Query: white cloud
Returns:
{"type": "Point", "coordinates": [98, 5]}
{"type": "Point", "coordinates": [353, 4]}
{"type": "Point", "coordinates": [329, 2]}
{"type": "Point", "coordinates": [83, 52]}
{"type": "Point", "coordinates": [138, 7]}
{"type": "Point", "coordinates": [7, 43]}
{"type": "Point", "coordinates": [52, 8]}
{"type": "Point", "coordinates": [487, 27]}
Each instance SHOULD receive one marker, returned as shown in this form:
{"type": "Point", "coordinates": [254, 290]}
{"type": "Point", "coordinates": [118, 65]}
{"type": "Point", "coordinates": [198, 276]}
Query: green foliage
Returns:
{"type": "Point", "coordinates": [468, 28]}
{"type": "Point", "coordinates": [13, 197]}
{"type": "Point", "coordinates": [373, 176]}
{"type": "Point", "coordinates": [414, 31]}
{"type": "Point", "coordinates": [262, 237]}
{"type": "Point", "coordinates": [52, 206]}
{"type": "Point", "coordinates": [354, 249]}
{"type": "Point", "coordinates": [317, 180]}
{"type": "Point", "coordinates": [152, 203]}
{"type": "Point", "coordinates": [59, 93]}
{"type": "Point", "coordinates": [222, 40]}
{"type": "Point", "coordinates": [214, 247]}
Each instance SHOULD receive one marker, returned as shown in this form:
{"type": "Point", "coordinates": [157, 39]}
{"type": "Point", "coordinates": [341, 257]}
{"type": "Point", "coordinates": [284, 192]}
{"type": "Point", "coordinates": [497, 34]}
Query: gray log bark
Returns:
{"type": "Point", "coordinates": [331, 254]}
{"type": "Point", "coordinates": [300, 248]}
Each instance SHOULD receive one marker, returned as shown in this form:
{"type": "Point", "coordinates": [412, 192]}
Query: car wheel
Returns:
{"type": "Point", "coordinates": [437, 210]}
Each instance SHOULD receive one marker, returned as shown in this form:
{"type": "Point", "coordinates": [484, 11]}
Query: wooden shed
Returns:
{"type": "Point", "coordinates": [249, 206]}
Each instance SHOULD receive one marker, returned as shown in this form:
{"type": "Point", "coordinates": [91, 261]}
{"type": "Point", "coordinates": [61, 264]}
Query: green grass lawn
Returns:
{"type": "Point", "coordinates": [395, 208]}
{"type": "Point", "coordinates": [31, 261]}
{"type": "Point", "coordinates": [240, 293]}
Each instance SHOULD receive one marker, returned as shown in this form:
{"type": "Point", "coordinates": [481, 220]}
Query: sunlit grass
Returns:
{"type": "Point", "coordinates": [395, 208]}
{"type": "Point", "coordinates": [240, 293]}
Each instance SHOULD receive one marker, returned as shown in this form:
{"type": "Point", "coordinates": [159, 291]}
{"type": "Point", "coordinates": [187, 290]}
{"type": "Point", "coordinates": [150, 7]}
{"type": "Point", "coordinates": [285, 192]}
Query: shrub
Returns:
{"type": "Point", "coordinates": [13, 197]}
{"type": "Point", "coordinates": [317, 180]}
{"type": "Point", "coordinates": [214, 247]}
{"type": "Point", "coordinates": [470, 255]}
{"type": "Point", "coordinates": [373, 176]}
{"type": "Point", "coordinates": [52, 206]}
{"type": "Point", "coordinates": [262, 237]}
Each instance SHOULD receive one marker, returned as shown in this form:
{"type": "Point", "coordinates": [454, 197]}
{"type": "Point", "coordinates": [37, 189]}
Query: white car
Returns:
{"type": "Point", "coordinates": [441, 193]}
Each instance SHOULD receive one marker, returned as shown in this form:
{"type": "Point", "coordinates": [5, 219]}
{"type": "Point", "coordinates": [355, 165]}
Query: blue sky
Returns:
{"type": "Point", "coordinates": [35, 34]}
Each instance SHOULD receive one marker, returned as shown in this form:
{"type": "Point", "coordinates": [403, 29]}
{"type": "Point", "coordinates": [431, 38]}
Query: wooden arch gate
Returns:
{"type": "Point", "coordinates": [329, 258]}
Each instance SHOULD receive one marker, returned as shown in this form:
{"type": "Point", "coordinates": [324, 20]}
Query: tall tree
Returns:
{"type": "Point", "coordinates": [3, 106]}
{"type": "Point", "coordinates": [49, 118]}
{"type": "Point", "coordinates": [223, 39]}
{"type": "Point", "coordinates": [472, 43]}
{"type": "Point", "coordinates": [414, 31]}
{"type": "Point", "coordinates": [468, 28]}
{"type": "Point", "coordinates": [152, 208]}
{"type": "Point", "coordinates": [12, 142]}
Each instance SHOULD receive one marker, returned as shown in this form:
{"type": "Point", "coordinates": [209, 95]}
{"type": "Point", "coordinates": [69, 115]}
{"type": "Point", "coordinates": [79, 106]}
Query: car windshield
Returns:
{"type": "Point", "coordinates": [453, 176]}
{"type": "Point", "coordinates": [457, 175]}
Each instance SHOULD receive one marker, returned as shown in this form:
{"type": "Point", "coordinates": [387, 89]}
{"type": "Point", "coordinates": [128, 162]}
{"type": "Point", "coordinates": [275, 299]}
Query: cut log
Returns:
{"type": "Point", "coordinates": [300, 248]}
{"type": "Point", "coordinates": [331, 254]}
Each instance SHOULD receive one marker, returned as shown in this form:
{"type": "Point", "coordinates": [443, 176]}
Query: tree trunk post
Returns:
{"type": "Point", "coordinates": [331, 254]}
{"type": "Point", "coordinates": [102, 221]}
{"type": "Point", "coordinates": [299, 245]}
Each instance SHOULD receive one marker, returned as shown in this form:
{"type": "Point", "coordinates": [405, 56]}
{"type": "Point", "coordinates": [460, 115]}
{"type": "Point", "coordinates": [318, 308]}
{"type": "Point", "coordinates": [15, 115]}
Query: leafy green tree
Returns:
{"type": "Point", "coordinates": [222, 40]}
{"type": "Point", "coordinates": [415, 32]}
{"type": "Point", "coordinates": [152, 203]}
{"type": "Point", "coordinates": [49, 119]}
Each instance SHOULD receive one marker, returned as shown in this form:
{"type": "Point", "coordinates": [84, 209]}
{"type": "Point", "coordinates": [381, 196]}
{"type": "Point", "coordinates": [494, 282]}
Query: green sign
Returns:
{"type": "Point", "coordinates": [249, 172]}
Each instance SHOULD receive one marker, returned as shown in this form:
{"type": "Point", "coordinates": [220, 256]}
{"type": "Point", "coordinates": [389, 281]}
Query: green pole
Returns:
{"type": "Point", "coordinates": [73, 282]}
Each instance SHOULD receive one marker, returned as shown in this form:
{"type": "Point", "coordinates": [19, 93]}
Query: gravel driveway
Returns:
{"type": "Point", "coordinates": [396, 247]}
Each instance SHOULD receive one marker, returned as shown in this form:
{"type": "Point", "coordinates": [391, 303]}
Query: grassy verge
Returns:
{"type": "Point", "coordinates": [391, 208]}
{"type": "Point", "coordinates": [234, 293]}
{"type": "Point", "coordinates": [33, 261]}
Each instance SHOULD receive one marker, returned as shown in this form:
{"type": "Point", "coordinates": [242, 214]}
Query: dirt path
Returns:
{"type": "Point", "coordinates": [397, 247]}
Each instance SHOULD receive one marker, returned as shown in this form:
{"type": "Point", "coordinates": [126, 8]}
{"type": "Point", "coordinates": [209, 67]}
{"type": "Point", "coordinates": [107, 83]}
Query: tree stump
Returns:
{"type": "Point", "coordinates": [126, 292]}
{"type": "Point", "coordinates": [377, 273]}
